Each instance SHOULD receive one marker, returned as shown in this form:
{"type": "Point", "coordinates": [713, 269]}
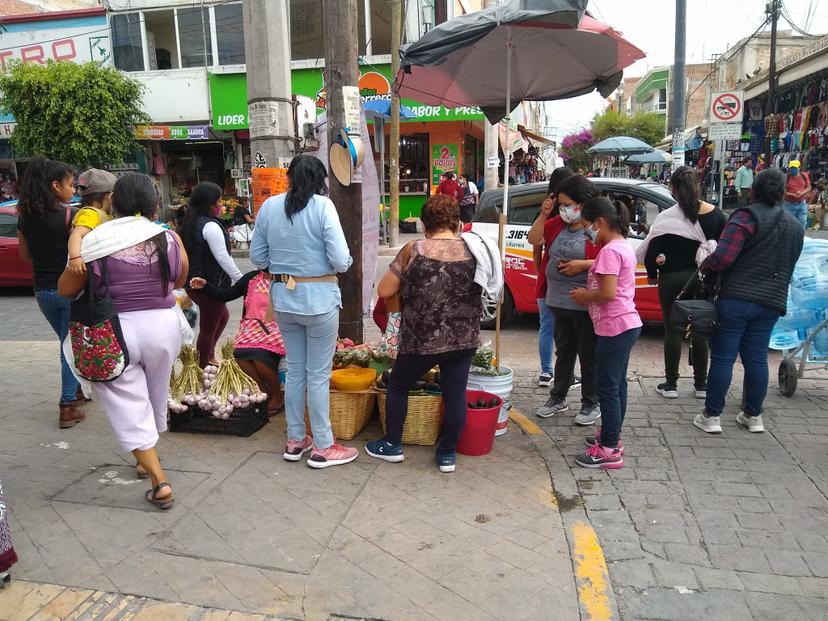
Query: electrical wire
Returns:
{"type": "Point", "coordinates": [787, 16]}
{"type": "Point", "coordinates": [715, 68]}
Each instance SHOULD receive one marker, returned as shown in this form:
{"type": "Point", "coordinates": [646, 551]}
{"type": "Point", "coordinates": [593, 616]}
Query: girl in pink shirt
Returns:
{"type": "Point", "coordinates": [609, 297]}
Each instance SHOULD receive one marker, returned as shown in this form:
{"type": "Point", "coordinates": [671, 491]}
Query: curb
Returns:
{"type": "Point", "coordinates": [596, 598]}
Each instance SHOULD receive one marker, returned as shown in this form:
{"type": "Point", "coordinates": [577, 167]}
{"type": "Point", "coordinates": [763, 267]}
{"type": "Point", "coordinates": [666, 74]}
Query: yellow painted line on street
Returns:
{"type": "Point", "coordinates": [524, 423]}
{"type": "Point", "coordinates": [591, 575]}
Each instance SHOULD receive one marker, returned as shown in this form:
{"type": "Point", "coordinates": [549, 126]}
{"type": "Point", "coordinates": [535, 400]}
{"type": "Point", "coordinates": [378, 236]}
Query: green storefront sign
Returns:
{"type": "Point", "coordinates": [228, 95]}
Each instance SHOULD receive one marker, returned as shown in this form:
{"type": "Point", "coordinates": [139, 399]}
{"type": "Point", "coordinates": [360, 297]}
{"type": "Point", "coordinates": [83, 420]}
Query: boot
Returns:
{"type": "Point", "coordinates": [69, 416]}
{"type": "Point", "coordinates": [80, 397]}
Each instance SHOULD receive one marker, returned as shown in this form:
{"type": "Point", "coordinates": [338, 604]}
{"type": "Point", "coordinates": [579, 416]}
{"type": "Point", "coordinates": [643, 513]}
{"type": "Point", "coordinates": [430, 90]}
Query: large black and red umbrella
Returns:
{"type": "Point", "coordinates": [521, 50]}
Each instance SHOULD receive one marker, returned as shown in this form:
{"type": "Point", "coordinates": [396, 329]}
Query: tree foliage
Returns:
{"type": "Point", "coordinates": [609, 124]}
{"type": "Point", "coordinates": [573, 149]}
{"type": "Point", "coordinates": [646, 126]}
{"type": "Point", "coordinates": [82, 114]}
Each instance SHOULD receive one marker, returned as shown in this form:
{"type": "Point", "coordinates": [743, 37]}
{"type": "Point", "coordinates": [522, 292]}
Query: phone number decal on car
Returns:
{"type": "Point", "coordinates": [517, 234]}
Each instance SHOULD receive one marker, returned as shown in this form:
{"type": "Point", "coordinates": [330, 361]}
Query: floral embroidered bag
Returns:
{"type": "Point", "coordinates": [390, 342]}
{"type": "Point", "coordinates": [95, 332]}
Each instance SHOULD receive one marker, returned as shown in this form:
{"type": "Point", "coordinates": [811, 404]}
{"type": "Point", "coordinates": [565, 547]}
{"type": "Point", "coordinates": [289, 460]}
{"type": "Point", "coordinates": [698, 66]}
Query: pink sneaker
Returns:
{"type": "Point", "coordinates": [295, 449]}
{"type": "Point", "coordinates": [334, 455]}
{"type": "Point", "coordinates": [597, 456]}
{"type": "Point", "coordinates": [596, 439]}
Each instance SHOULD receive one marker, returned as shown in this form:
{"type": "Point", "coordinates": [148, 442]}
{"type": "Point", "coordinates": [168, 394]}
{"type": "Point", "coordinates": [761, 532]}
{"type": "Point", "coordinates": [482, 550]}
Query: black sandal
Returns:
{"type": "Point", "coordinates": [162, 503]}
{"type": "Point", "coordinates": [140, 472]}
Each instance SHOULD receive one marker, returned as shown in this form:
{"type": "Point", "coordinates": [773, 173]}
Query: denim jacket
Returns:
{"type": "Point", "coordinates": [311, 243]}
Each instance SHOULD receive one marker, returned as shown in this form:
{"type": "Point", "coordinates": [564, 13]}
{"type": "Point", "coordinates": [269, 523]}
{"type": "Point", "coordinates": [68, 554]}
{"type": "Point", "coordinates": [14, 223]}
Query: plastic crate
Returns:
{"type": "Point", "coordinates": [242, 423]}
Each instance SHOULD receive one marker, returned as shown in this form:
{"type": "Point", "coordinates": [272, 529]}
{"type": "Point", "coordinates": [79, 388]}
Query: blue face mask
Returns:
{"type": "Point", "coordinates": [794, 172]}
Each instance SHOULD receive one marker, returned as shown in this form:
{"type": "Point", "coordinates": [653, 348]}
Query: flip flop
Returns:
{"type": "Point", "coordinates": [162, 503]}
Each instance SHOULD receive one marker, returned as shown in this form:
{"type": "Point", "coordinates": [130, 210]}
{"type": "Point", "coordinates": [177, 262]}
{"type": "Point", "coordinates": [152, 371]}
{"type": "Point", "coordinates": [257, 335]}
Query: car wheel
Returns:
{"type": "Point", "coordinates": [488, 316]}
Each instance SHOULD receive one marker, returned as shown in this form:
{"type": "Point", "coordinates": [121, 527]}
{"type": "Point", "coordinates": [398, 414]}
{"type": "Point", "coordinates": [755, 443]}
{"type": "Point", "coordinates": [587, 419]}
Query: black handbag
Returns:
{"type": "Point", "coordinates": [98, 347]}
{"type": "Point", "coordinates": [694, 312]}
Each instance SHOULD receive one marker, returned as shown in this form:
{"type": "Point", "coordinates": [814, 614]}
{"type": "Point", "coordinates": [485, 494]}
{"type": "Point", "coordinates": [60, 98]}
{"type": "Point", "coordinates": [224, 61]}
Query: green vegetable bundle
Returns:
{"type": "Point", "coordinates": [483, 358]}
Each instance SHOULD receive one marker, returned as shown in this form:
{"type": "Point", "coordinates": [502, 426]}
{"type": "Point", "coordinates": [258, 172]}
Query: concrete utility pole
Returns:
{"type": "Point", "coordinates": [679, 84]}
{"type": "Point", "coordinates": [490, 139]}
{"type": "Point", "coordinates": [270, 110]}
{"type": "Point", "coordinates": [772, 9]}
{"type": "Point", "coordinates": [340, 23]}
{"type": "Point", "coordinates": [394, 172]}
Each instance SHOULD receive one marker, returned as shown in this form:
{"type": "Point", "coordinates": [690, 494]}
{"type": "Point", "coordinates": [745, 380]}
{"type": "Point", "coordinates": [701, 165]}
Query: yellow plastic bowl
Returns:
{"type": "Point", "coordinates": [350, 380]}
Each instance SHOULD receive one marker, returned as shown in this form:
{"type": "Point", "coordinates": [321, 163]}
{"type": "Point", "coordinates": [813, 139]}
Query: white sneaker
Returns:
{"type": "Point", "coordinates": [545, 380]}
{"type": "Point", "coordinates": [708, 424]}
{"type": "Point", "coordinates": [754, 424]}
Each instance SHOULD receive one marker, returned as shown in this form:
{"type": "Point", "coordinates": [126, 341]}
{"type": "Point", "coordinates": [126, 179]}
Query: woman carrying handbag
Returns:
{"type": "Point", "coordinates": [755, 257]}
{"type": "Point", "coordinates": [133, 265]}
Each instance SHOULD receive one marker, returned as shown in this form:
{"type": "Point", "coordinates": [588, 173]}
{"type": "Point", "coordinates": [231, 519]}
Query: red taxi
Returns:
{"type": "Point", "coordinates": [524, 207]}
{"type": "Point", "coordinates": [14, 271]}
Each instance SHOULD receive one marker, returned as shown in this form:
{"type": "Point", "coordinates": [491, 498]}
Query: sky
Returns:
{"type": "Point", "coordinates": [713, 26]}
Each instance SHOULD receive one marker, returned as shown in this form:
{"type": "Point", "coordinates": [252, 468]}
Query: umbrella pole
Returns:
{"type": "Point", "coordinates": [505, 211]}
{"type": "Point", "coordinates": [379, 132]}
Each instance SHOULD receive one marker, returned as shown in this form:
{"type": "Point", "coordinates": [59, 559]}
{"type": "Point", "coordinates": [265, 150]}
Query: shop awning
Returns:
{"type": "Point", "coordinates": [689, 135]}
{"type": "Point", "coordinates": [535, 138]}
{"type": "Point", "coordinates": [516, 140]}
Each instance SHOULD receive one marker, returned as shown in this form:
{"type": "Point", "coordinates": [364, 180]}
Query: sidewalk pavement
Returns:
{"type": "Point", "coordinates": [255, 534]}
{"type": "Point", "coordinates": [696, 526]}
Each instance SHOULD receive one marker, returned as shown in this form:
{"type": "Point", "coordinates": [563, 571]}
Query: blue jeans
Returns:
{"type": "Point", "coordinates": [744, 329]}
{"type": "Point", "coordinates": [56, 310]}
{"type": "Point", "coordinates": [798, 211]}
{"type": "Point", "coordinates": [612, 357]}
{"type": "Point", "coordinates": [546, 336]}
{"type": "Point", "coordinates": [310, 343]}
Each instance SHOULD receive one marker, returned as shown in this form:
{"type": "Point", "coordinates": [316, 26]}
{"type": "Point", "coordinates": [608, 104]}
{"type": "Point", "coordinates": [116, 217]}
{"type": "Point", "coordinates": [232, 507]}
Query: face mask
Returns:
{"type": "Point", "coordinates": [570, 213]}
{"type": "Point", "coordinates": [794, 172]}
{"type": "Point", "coordinates": [591, 234]}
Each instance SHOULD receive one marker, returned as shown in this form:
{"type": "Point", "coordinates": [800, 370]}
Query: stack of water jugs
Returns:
{"type": "Point", "coordinates": [807, 301]}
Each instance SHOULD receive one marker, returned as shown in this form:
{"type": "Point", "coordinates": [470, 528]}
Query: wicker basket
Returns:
{"type": "Point", "coordinates": [349, 411]}
{"type": "Point", "coordinates": [423, 422]}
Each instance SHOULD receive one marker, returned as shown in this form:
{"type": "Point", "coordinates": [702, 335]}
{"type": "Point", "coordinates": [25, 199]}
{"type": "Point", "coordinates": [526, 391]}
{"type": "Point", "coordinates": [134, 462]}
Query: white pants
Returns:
{"type": "Point", "coordinates": [136, 402]}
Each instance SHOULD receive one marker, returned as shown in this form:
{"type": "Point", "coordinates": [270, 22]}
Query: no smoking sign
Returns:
{"type": "Point", "coordinates": [727, 107]}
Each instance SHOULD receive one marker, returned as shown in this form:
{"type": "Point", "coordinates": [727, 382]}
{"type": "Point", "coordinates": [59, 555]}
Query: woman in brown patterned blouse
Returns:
{"type": "Point", "coordinates": [441, 308]}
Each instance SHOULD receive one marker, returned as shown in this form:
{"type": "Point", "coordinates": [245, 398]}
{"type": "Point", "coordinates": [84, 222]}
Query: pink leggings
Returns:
{"type": "Point", "coordinates": [213, 316]}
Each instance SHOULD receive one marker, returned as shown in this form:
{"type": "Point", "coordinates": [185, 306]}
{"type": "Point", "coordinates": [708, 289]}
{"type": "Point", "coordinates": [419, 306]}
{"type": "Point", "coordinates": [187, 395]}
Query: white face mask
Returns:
{"type": "Point", "coordinates": [570, 213]}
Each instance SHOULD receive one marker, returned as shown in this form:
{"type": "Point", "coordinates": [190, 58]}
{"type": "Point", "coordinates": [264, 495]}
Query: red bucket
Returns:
{"type": "Point", "coordinates": [478, 434]}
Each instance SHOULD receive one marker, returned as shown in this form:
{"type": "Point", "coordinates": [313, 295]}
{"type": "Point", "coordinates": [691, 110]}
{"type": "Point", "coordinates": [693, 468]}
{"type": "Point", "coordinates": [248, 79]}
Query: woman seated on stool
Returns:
{"type": "Point", "coordinates": [258, 345]}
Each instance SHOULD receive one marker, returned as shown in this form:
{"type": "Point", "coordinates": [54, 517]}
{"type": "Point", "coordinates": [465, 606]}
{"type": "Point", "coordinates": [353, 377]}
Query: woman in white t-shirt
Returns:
{"type": "Point", "coordinates": [208, 246]}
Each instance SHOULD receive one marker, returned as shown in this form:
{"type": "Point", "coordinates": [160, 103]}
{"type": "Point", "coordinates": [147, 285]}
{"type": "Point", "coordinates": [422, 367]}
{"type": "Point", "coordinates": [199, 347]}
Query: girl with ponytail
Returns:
{"type": "Point", "coordinates": [609, 298]}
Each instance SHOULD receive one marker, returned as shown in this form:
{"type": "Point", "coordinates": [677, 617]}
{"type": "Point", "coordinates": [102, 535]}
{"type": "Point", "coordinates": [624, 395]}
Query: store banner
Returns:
{"type": "Point", "coordinates": [443, 159]}
{"type": "Point", "coordinates": [172, 132]}
{"type": "Point", "coordinates": [228, 96]}
{"type": "Point", "coordinates": [268, 182]}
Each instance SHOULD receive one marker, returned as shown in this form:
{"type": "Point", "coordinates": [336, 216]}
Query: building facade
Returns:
{"type": "Point", "coordinates": [190, 58]}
